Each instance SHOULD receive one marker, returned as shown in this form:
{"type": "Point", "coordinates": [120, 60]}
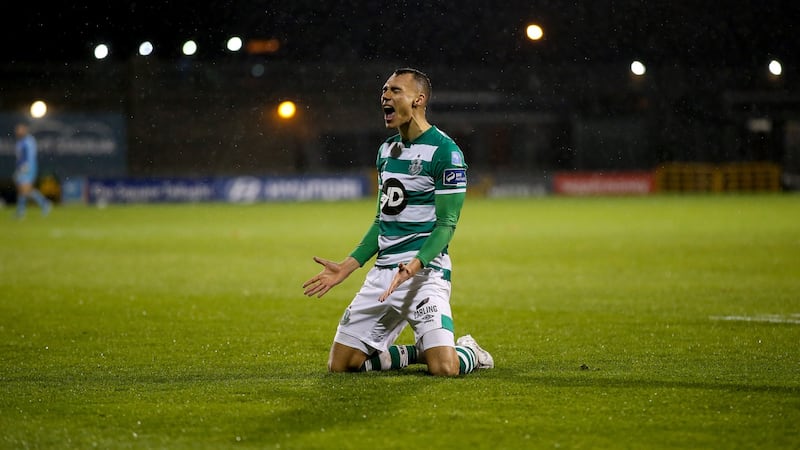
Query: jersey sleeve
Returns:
{"type": "Point", "coordinates": [450, 178]}
{"type": "Point", "coordinates": [448, 210]}
{"type": "Point", "coordinates": [368, 246]}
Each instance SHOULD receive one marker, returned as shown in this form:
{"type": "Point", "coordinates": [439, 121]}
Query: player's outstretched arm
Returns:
{"type": "Point", "coordinates": [332, 274]}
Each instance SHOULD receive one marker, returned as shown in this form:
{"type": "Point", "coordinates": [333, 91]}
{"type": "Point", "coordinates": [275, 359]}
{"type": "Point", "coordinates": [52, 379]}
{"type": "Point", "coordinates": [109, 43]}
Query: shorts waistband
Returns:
{"type": "Point", "coordinates": [445, 272]}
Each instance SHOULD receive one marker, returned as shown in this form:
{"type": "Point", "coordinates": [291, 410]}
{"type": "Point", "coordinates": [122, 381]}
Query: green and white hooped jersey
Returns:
{"type": "Point", "coordinates": [409, 181]}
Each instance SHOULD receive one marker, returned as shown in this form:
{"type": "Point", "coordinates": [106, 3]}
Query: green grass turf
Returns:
{"type": "Point", "coordinates": [184, 326]}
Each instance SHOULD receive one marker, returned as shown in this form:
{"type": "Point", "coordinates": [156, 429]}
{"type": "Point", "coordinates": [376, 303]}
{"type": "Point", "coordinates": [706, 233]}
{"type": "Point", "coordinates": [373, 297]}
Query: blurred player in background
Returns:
{"type": "Point", "coordinates": [422, 178]}
{"type": "Point", "coordinates": [26, 171]}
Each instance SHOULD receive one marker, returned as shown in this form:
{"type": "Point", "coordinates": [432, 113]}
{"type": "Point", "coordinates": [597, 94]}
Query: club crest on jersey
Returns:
{"type": "Point", "coordinates": [393, 197]}
{"type": "Point", "coordinates": [455, 177]}
{"type": "Point", "coordinates": [415, 167]}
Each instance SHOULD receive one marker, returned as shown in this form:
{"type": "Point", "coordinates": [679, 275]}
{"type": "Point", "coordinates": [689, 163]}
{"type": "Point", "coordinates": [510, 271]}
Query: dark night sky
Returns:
{"type": "Point", "coordinates": [733, 33]}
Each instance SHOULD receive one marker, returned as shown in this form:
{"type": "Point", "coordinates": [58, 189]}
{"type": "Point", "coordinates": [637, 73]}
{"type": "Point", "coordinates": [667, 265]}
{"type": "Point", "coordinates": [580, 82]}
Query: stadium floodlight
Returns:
{"type": "Point", "coordinates": [189, 48]}
{"type": "Point", "coordinates": [101, 51]}
{"type": "Point", "coordinates": [775, 67]}
{"type": "Point", "coordinates": [638, 68]}
{"type": "Point", "coordinates": [145, 48]}
{"type": "Point", "coordinates": [534, 32]}
{"type": "Point", "coordinates": [287, 109]}
{"type": "Point", "coordinates": [38, 109]}
{"type": "Point", "coordinates": [234, 44]}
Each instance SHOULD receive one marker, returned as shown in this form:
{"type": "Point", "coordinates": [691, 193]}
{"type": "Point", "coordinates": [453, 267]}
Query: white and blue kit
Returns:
{"type": "Point", "coordinates": [26, 169]}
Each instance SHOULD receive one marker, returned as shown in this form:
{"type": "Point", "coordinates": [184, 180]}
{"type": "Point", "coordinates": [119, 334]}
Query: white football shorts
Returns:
{"type": "Point", "coordinates": [422, 302]}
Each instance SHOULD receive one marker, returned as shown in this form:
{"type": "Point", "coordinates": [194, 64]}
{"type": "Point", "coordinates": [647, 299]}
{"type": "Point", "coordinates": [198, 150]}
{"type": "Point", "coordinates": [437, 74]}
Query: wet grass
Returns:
{"type": "Point", "coordinates": [655, 322]}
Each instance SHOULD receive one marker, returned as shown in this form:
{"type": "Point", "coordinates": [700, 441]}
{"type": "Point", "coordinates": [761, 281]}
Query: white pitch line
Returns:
{"type": "Point", "coordinates": [769, 318]}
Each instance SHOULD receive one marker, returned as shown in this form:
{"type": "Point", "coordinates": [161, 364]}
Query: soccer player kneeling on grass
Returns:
{"type": "Point", "coordinates": [422, 178]}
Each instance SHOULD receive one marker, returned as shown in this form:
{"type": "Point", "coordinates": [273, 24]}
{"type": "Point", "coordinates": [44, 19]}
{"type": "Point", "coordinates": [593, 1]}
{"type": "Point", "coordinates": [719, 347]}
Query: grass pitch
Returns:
{"type": "Point", "coordinates": [654, 322]}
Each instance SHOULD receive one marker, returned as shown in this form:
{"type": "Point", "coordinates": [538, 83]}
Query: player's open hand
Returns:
{"type": "Point", "coordinates": [332, 274]}
{"type": "Point", "coordinates": [404, 273]}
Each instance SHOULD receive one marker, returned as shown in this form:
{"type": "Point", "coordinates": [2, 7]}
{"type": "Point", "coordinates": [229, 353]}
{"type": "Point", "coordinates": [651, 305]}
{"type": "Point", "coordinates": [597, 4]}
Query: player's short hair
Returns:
{"type": "Point", "coordinates": [422, 80]}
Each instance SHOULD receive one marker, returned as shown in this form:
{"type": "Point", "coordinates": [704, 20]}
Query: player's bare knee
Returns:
{"type": "Point", "coordinates": [338, 367]}
{"type": "Point", "coordinates": [443, 368]}
{"type": "Point", "coordinates": [332, 368]}
{"type": "Point", "coordinates": [345, 359]}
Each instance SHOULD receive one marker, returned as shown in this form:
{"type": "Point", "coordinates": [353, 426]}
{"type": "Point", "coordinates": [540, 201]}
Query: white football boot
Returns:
{"type": "Point", "coordinates": [485, 360]}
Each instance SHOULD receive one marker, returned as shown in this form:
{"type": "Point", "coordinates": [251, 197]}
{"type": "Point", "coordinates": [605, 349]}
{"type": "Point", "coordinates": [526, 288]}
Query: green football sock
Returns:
{"type": "Point", "coordinates": [397, 357]}
{"type": "Point", "coordinates": [466, 359]}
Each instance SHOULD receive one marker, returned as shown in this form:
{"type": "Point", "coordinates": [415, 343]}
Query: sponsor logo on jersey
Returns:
{"type": "Point", "coordinates": [455, 177]}
{"type": "Point", "coordinates": [393, 197]}
{"type": "Point", "coordinates": [456, 159]}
